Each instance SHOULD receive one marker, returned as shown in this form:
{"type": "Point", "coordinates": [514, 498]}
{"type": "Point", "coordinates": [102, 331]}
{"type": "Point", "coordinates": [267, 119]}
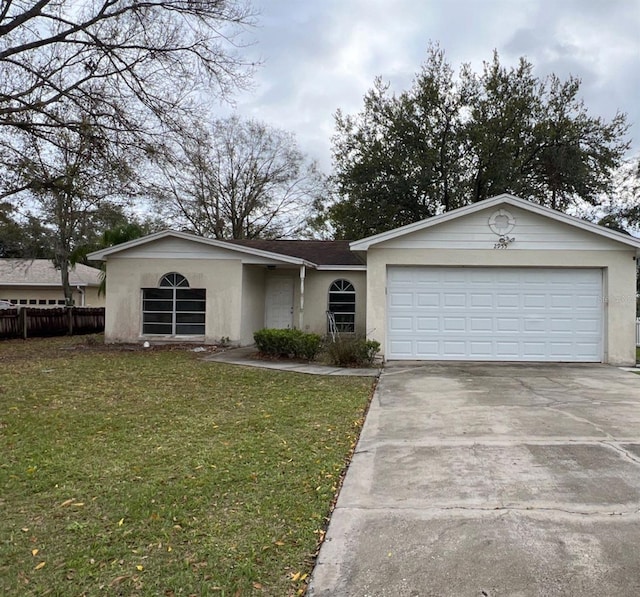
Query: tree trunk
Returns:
{"type": "Point", "coordinates": [63, 264]}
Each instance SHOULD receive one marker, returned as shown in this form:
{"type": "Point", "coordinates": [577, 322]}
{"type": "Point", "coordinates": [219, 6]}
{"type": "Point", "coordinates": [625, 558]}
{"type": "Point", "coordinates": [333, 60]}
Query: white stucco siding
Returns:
{"type": "Point", "coordinates": [253, 301]}
{"type": "Point", "coordinates": [317, 285]}
{"type": "Point", "coordinates": [126, 277]}
{"type": "Point", "coordinates": [618, 268]}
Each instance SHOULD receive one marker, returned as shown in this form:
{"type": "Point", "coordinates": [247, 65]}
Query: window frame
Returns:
{"type": "Point", "coordinates": [345, 320]}
{"type": "Point", "coordinates": [180, 310]}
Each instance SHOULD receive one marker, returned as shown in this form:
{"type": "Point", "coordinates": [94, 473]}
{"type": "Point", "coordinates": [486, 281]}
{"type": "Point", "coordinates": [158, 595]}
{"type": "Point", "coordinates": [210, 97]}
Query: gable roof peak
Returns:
{"type": "Point", "coordinates": [492, 202]}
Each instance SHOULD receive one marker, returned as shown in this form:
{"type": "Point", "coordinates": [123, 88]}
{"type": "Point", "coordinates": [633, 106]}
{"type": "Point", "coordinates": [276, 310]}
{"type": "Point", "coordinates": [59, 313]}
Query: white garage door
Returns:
{"type": "Point", "coordinates": [494, 314]}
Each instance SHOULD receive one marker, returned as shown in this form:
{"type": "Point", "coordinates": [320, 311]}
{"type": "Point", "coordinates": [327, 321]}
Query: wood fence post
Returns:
{"type": "Point", "coordinates": [24, 328]}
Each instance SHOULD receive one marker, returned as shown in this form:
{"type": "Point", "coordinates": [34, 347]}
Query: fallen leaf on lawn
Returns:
{"type": "Point", "coordinates": [67, 502]}
{"type": "Point", "coordinates": [139, 567]}
{"type": "Point", "coordinates": [257, 585]}
{"type": "Point", "coordinates": [117, 580]}
{"type": "Point", "coordinates": [24, 529]}
{"type": "Point", "coordinates": [40, 566]}
{"type": "Point", "coordinates": [121, 522]}
{"type": "Point", "coordinates": [279, 543]}
{"type": "Point", "coordinates": [78, 504]}
{"type": "Point", "coordinates": [34, 552]}
{"type": "Point", "coordinates": [296, 577]}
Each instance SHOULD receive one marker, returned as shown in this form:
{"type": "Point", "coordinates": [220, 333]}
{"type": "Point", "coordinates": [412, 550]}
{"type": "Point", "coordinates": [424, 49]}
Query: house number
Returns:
{"type": "Point", "coordinates": [503, 242]}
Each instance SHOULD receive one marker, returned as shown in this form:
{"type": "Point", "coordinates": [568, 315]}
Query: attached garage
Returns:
{"type": "Point", "coordinates": [502, 280]}
{"type": "Point", "coordinates": [494, 314]}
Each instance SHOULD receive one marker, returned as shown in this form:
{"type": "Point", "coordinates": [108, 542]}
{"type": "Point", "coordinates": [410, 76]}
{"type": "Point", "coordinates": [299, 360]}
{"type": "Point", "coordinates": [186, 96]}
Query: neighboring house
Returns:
{"type": "Point", "coordinates": [36, 283]}
{"type": "Point", "coordinates": [500, 280]}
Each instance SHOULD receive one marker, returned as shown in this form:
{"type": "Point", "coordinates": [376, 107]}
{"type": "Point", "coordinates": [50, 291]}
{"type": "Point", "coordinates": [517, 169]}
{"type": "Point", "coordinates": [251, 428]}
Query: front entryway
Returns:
{"type": "Point", "coordinates": [279, 302]}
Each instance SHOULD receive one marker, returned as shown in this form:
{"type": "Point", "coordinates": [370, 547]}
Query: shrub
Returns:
{"type": "Point", "coordinates": [352, 351]}
{"type": "Point", "coordinates": [295, 343]}
{"type": "Point", "coordinates": [308, 345]}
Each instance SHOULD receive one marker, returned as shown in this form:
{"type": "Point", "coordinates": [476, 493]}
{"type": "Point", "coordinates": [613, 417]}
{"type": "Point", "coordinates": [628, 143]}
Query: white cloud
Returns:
{"type": "Point", "coordinates": [321, 56]}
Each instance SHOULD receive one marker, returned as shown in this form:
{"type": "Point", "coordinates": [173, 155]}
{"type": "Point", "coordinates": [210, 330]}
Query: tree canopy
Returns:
{"type": "Point", "coordinates": [237, 179]}
{"type": "Point", "coordinates": [453, 140]}
{"type": "Point", "coordinates": [120, 61]}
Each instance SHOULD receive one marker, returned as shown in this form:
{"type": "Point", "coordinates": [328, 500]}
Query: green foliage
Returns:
{"type": "Point", "coordinates": [23, 237]}
{"type": "Point", "coordinates": [295, 343]}
{"type": "Point", "coordinates": [186, 477]}
{"type": "Point", "coordinates": [450, 141]}
{"type": "Point", "coordinates": [349, 351]}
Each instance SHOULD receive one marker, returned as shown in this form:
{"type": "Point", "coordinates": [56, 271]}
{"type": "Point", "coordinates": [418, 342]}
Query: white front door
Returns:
{"type": "Point", "coordinates": [279, 303]}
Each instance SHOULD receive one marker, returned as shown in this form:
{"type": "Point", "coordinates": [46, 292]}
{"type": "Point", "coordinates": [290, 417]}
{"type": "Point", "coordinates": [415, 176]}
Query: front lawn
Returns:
{"type": "Point", "coordinates": [130, 472]}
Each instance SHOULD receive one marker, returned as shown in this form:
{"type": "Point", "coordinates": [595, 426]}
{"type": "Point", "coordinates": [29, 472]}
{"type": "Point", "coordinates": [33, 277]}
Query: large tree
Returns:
{"type": "Point", "coordinates": [118, 63]}
{"type": "Point", "coordinates": [237, 179]}
{"type": "Point", "coordinates": [449, 141]}
{"type": "Point", "coordinates": [88, 89]}
{"type": "Point", "coordinates": [73, 183]}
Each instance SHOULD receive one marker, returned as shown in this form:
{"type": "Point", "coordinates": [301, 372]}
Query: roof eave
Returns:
{"type": "Point", "coordinates": [103, 254]}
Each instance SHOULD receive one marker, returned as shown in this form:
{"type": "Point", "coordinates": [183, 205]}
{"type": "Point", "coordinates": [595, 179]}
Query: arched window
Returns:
{"type": "Point", "coordinates": [173, 309]}
{"type": "Point", "coordinates": [342, 303]}
{"type": "Point", "coordinates": [174, 280]}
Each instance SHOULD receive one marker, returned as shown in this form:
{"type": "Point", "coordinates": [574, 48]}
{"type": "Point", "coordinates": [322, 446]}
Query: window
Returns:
{"type": "Point", "coordinates": [42, 301]}
{"type": "Point", "coordinates": [173, 309]}
{"type": "Point", "coordinates": [342, 303]}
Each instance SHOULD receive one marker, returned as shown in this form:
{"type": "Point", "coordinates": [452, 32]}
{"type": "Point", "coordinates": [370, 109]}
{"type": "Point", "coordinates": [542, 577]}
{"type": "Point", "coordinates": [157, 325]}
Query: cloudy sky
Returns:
{"type": "Point", "coordinates": [321, 55]}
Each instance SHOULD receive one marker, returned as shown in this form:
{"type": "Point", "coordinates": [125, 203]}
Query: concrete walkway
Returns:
{"type": "Point", "coordinates": [244, 356]}
{"type": "Point", "coordinates": [491, 480]}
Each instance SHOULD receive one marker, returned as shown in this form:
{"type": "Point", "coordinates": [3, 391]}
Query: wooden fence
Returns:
{"type": "Point", "coordinates": [29, 322]}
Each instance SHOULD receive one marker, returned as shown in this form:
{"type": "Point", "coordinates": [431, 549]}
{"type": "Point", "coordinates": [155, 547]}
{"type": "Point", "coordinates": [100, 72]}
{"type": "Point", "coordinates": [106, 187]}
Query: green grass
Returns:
{"type": "Point", "coordinates": [637, 354]}
{"type": "Point", "coordinates": [129, 472]}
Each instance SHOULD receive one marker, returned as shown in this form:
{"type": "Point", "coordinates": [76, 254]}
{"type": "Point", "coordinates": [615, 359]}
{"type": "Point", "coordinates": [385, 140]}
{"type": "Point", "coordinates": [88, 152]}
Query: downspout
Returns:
{"type": "Point", "coordinates": [301, 312]}
{"type": "Point", "coordinates": [81, 293]}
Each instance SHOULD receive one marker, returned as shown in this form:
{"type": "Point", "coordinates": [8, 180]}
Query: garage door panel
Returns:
{"type": "Point", "coordinates": [518, 314]}
{"type": "Point", "coordinates": [402, 348]}
{"type": "Point", "coordinates": [481, 350]}
{"type": "Point", "coordinates": [427, 324]}
{"type": "Point", "coordinates": [538, 324]}
{"type": "Point", "coordinates": [480, 300]}
{"type": "Point", "coordinates": [480, 324]}
{"type": "Point", "coordinates": [427, 349]}
{"type": "Point", "coordinates": [401, 324]}
{"type": "Point", "coordinates": [427, 299]}
{"type": "Point", "coordinates": [454, 324]}
{"type": "Point", "coordinates": [535, 301]}
{"type": "Point", "coordinates": [401, 299]}
{"type": "Point", "coordinates": [508, 301]}
{"type": "Point", "coordinates": [562, 301]}
{"type": "Point", "coordinates": [505, 324]}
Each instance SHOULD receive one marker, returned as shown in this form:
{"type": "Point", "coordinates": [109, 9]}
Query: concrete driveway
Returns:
{"type": "Point", "coordinates": [491, 480]}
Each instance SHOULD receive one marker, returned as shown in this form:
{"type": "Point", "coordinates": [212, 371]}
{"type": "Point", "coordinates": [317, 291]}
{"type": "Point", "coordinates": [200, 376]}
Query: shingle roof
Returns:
{"type": "Point", "coordinates": [320, 252]}
{"type": "Point", "coordinates": [42, 272]}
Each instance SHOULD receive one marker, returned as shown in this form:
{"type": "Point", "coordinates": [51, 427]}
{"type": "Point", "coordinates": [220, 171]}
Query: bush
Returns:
{"type": "Point", "coordinates": [294, 343]}
{"type": "Point", "coordinates": [352, 351]}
